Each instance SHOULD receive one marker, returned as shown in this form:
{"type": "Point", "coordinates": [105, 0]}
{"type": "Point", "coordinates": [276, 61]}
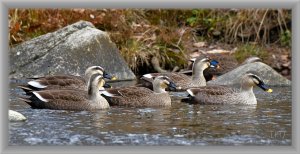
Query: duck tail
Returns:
{"type": "Point", "coordinates": [25, 98]}
{"type": "Point", "coordinates": [25, 88]}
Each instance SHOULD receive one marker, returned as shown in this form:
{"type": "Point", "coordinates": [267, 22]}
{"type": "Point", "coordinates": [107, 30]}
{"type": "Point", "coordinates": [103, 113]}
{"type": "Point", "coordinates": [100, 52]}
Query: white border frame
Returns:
{"type": "Point", "coordinates": [292, 4]}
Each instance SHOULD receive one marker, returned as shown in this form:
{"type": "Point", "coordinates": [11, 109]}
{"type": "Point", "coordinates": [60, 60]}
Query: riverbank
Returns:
{"type": "Point", "coordinates": [172, 35]}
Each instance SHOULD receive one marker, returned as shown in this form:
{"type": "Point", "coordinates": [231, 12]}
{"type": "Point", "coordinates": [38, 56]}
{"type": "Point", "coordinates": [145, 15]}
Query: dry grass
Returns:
{"type": "Point", "coordinates": [166, 34]}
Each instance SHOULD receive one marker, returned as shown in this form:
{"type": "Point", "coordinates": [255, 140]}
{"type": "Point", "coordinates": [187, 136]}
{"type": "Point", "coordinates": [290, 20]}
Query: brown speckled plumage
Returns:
{"type": "Point", "coordinates": [62, 81]}
{"type": "Point", "coordinates": [70, 99]}
{"type": "Point", "coordinates": [141, 96]}
{"type": "Point", "coordinates": [228, 95]}
{"type": "Point", "coordinates": [183, 81]}
{"type": "Point", "coordinates": [138, 97]}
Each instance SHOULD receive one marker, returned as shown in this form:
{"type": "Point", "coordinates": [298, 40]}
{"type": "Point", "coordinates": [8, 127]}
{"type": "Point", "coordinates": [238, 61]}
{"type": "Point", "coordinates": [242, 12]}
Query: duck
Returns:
{"type": "Point", "coordinates": [222, 94]}
{"type": "Point", "coordinates": [65, 81]}
{"type": "Point", "coordinates": [70, 99]}
{"type": "Point", "coordinates": [227, 63]}
{"type": "Point", "coordinates": [182, 81]}
{"type": "Point", "coordinates": [134, 96]}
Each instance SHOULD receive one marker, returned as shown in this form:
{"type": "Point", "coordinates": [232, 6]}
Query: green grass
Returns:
{"type": "Point", "coordinates": [247, 50]}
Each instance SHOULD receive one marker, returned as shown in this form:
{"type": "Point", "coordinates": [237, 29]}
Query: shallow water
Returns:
{"type": "Point", "coordinates": [267, 123]}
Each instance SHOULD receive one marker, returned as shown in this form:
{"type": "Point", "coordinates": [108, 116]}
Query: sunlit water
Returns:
{"type": "Point", "coordinates": [267, 123]}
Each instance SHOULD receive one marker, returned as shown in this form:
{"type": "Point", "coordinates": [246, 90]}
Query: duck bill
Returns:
{"type": "Point", "coordinates": [108, 76]}
{"type": "Point", "coordinates": [214, 64]}
{"type": "Point", "coordinates": [172, 86]}
{"type": "Point", "coordinates": [264, 87]}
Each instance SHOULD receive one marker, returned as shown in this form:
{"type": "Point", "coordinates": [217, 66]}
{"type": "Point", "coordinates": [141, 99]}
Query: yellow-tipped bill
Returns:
{"type": "Point", "coordinates": [269, 90]}
{"type": "Point", "coordinates": [114, 78]}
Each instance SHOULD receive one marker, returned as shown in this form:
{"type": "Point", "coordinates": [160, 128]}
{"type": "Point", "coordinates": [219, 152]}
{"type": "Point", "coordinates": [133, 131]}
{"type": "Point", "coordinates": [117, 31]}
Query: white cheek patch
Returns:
{"type": "Point", "coordinates": [148, 76]}
{"type": "Point", "coordinates": [204, 59]}
{"type": "Point", "coordinates": [167, 82]}
{"type": "Point", "coordinates": [256, 81]}
{"type": "Point", "coordinates": [101, 83]}
{"type": "Point", "coordinates": [207, 65]}
{"type": "Point", "coordinates": [190, 92]}
{"type": "Point", "coordinates": [40, 97]}
{"type": "Point", "coordinates": [36, 84]}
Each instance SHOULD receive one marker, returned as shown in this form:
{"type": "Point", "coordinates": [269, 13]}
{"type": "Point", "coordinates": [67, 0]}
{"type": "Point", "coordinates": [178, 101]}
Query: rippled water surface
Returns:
{"type": "Point", "coordinates": [267, 123]}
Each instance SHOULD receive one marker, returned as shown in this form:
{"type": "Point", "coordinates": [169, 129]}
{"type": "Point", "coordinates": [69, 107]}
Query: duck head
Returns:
{"type": "Point", "coordinates": [96, 83]}
{"type": "Point", "coordinates": [205, 63]}
{"type": "Point", "coordinates": [98, 69]}
{"type": "Point", "coordinates": [160, 83]}
{"type": "Point", "coordinates": [255, 80]}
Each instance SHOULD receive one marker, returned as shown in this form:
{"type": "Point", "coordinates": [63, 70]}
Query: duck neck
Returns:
{"type": "Point", "coordinates": [249, 95]}
{"type": "Point", "coordinates": [93, 92]}
{"type": "Point", "coordinates": [96, 99]}
{"type": "Point", "coordinates": [87, 77]}
{"type": "Point", "coordinates": [198, 72]}
{"type": "Point", "coordinates": [246, 86]}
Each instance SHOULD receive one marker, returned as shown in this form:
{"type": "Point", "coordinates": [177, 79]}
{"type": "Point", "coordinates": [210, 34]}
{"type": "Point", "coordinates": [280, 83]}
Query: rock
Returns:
{"type": "Point", "coordinates": [251, 60]}
{"type": "Point", "coordinates": [16, 116]}
{"type": "Point", "coordinates": [69, 50]}
{"type": "Point", "coordinates": [267, 74]}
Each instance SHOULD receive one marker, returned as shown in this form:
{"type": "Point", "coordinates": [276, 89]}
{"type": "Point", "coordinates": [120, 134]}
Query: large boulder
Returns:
{"type": "Point", "coordinates": [265, 72]}
{"type": "Point", "coordinates": [69, 50]}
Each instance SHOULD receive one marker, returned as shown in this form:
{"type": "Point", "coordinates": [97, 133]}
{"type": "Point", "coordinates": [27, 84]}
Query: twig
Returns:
{"type": "Point", "coordinates": [181, 37]}
{"type": "Point", "coordinates": [262, 21]}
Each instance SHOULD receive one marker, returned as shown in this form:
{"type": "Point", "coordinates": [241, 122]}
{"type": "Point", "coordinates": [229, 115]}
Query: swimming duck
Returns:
{"type": "Point", "coordinates": [65, 81]}
{"type": "Point", "coordinates": [141, 96]}
{"type": "Point", "coordinates": [183, 81]}
{"type": "Point", "coordinates": [55, 99]}
{"type": "Point", "coordinates": [215, 94]}
{"type": "Point", "coordinates": [228, 63]}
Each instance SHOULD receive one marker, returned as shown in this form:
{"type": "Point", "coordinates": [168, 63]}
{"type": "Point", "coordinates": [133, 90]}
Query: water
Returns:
{"type": "Point", "coordinates": [267, 123]}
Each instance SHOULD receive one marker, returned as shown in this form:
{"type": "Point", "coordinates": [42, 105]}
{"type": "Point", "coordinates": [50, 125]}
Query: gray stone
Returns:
{"type": "Point", "coordinates": [265, 72]}
{"type": "Point", "coordinates": [69, 50]}
{"type": "Point", "coordinates": [15, 116]}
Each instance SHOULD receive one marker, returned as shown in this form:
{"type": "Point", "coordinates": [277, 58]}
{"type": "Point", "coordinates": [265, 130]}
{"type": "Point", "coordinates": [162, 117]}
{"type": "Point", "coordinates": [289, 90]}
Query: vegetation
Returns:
{"type": "Point", "coordinates": [247, 50]}
{"type": "Point", "coordinates": [167, 34]}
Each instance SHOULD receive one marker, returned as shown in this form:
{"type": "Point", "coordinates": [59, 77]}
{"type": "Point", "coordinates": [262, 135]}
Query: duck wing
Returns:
{"type": "Point", "coordinates": [127, 96]}
{"type": "Point", "coordinates": [57, 82]}
{"type": "Point", "coordinates": [210, 94]}
{"type": "Point", "coordinates": [129, 92]}
{"type": "Point", "coordinates": [58, 99]}
{"type": "Point", "coordinates": [212, 90]}
{"type": "Point", "coordinates": [57, 77]}
{"type": "Point", "coordinates": [175, 77]}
